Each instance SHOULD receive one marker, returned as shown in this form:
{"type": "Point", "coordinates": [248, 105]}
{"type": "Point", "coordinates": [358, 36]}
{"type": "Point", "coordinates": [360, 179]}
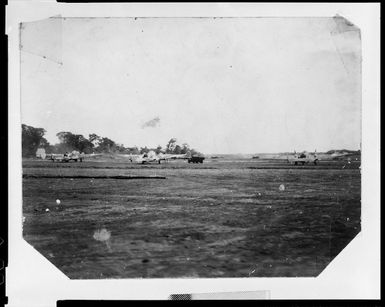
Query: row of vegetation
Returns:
{"type": "Point", "coordinates": [33, 138]}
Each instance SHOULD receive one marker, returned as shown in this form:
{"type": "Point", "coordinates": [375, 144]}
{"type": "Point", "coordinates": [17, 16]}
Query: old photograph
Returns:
{"type": "Point", "coordinates": [190, 147]}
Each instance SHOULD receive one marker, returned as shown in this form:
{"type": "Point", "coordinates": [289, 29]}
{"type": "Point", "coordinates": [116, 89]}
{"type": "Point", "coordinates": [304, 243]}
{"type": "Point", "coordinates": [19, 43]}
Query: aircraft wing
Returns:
{"type": "Point", "coordinates": [174, 156]}
{"type": "Point", "coordinates": [92, 155]}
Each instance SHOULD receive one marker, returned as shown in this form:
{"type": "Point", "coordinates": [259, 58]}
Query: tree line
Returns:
{"type": "Point", "coordinates": [33, 138]}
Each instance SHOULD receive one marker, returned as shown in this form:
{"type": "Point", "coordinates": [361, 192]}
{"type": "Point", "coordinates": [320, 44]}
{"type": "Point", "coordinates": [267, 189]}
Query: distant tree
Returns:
{"type": "Point", "coordinates": [94, 139]}
{"type": "Point", "coordinates": [44, 143]}
{"type": "Point", "coordinates": [85, 145]}
{"type": "Point", "coordinates": [177, 150]}
{"type": "Point", "coordinates": [133, 150]}
{"type": "Point", "coordinates": [53, 149]}
{"type": "Point", "coordinates": [32, 139]}
{"type": "Point", "coordinates": [144, 150]}
{"type": "Point", "coordinates": [171, 145]}
{"type": "Point", "coordinates": [94, 143]}
{"type": "Point", "coordinates": [195, 152]}
{"type": "Point", "coordinates": [106, 145]}
{"type": "Point", "coordinates": [185, 148]}
{"type": "Point", "coordinates": [173, 148]}
{"type": "Point", "coordinates": [120, 148]}
{"type": "Point", "coordinates": [67, 141]}
{"type": "Point", "coordinates": [72, 141]}
{"type": "Point", "coordinates": [158, 149]}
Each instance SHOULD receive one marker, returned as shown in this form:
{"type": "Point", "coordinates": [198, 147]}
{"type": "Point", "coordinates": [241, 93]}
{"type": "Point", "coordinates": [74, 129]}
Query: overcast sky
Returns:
{"type": "Point", "coordinates": [223, 85]}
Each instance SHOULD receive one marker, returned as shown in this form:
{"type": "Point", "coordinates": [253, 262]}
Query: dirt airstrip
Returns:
{"type": "Point", "coordinates": [222, 218]}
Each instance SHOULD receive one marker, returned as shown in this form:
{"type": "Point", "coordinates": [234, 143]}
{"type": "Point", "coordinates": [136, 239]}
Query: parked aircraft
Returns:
{"type": "Point", "coordinates": [303, 158]}
{"type": "Point", "coordinates": [151, 157]}
{"type": "Point", "coordinates": [306, 157]}
{"type": "Point", "coordinates": [70, 156]}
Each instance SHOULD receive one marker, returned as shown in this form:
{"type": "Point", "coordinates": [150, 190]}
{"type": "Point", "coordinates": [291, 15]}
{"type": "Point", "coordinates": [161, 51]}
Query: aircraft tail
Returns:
{"type": "Point", "coordinates": [188, 154]}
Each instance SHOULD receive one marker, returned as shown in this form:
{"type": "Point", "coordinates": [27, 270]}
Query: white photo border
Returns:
{"type": "Point", "coordinates": [354, 274]}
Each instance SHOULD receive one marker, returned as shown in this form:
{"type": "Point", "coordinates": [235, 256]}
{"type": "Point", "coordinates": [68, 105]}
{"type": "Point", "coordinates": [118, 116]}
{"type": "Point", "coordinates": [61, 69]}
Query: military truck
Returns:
{"type": "Point", "coordinates": [195, 159]}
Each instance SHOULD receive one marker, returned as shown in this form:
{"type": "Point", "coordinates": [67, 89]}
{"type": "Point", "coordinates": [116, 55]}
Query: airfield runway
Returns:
{"type": "Point", "coordinates": [222, 218]}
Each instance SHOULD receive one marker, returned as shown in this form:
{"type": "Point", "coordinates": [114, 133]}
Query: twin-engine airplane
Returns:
{"type": "Point", "coordinates": [71, 156]}
{"type": "Point", "coordinates": [152, 157]}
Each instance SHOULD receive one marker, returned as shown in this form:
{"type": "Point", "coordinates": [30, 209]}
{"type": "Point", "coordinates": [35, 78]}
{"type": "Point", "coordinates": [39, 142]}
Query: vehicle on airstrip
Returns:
{"type": "Point", "coordinates": [303, 158]}
{"type": "Point", "coordinates": [196, 159]}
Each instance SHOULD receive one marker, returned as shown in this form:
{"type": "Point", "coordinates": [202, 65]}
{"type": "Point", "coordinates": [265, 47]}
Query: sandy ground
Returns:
{"type": "Point", "coordinates": [222, 218]}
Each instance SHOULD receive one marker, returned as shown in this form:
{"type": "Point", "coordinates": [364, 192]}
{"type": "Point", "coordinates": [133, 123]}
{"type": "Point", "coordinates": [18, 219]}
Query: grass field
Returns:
{"type": "Point", "coordinates": [222, 218]}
